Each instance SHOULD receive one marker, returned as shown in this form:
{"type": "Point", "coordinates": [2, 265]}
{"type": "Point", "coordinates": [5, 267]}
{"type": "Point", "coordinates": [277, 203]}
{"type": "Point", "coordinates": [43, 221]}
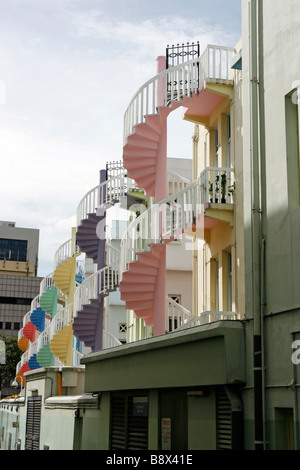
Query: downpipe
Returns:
{"type": "Point", "coordinates": [258, 204]}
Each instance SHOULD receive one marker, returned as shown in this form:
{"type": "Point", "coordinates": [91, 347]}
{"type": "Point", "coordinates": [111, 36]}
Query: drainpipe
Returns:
{"type": "Point", "coordinates": [59, 386]}
{"type": "Point", "coordinates": [257, 216]}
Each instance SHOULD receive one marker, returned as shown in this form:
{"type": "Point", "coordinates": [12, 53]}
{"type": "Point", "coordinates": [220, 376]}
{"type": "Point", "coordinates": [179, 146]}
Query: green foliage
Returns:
{"type": "Point", "coordinates": [13, 356]}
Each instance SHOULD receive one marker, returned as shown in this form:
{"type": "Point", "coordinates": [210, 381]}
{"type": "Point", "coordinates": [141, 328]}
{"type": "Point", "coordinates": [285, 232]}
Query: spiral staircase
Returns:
{"type": "Point", "coordinates": [63, 311]}
{"type": "Point", "coordinates": [198, 86]}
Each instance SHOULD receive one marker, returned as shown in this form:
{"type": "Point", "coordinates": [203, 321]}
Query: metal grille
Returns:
{"type": "Point", "coordinates": [33, 423]}
{"type": "Point", "coordinates": [224, 424]}
{"type": "Point", "coordinates": [178, 54]}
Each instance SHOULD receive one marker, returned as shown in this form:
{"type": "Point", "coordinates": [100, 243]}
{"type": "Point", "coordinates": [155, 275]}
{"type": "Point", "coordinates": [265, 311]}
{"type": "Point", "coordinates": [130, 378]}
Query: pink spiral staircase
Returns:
{"type": "Point", "coordinates": [142, 285]}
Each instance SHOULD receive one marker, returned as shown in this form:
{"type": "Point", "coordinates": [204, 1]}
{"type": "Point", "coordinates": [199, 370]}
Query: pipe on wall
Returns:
{"type": "Point", "coordinates": [258, 210]}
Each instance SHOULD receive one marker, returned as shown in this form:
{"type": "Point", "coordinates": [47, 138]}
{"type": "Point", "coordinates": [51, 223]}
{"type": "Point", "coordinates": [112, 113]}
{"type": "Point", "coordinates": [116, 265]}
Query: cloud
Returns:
{"type": "Point", "coordinates": [68, 71]}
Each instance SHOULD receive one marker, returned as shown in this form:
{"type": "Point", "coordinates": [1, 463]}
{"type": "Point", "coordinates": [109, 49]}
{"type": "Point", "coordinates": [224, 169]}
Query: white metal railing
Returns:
{"type": "Point", "coordinates": [65, 251]}
{"type": "Point", "coordinates": [176, 315]}
{"type": "Point", "coordinates": [209, 317]}
{"type": "Point", "coordinates": [183, 80]}
{"type": "Point", "coordinates": [26, 318]}
{"type": "Point", "coordinates": [61, 319]}
{"type": "Point", "coordinates": [176, 183]}
{"type": "Point", "coordinates": [102, 281]}
{"type": "Point", "coordinates": [44, 337]}
{"type": "Point", "coordinates": [107, 192]}
{"type": "Point", "coordinates": [46, 283]}
{"type": "Point", "coordinates": [76, 356]}
{"type": "Point", "coordinates": [171, 217]}
{"type": "Point", "coordinates": [109, 341]}
{"type": "Point", "coordinates": [33, 349]}
{"type": "Point", "coordinates": [35, 303]}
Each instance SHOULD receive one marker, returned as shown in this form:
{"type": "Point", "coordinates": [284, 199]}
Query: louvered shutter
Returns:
{"type": "Point", "coordinates": [33, 423]}
{"type": "Point", "coordinates": [129, 431]}
{"type": "Point", "coordinates": [118, 420]}
{"type": "Point", "coordinates": [224, 422]}
{"type": "Point", "coordinates": [137, 431]}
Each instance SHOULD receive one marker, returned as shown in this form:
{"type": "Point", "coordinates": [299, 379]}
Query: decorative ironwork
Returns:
{"type": "Point", "coordinates": [178, 54]}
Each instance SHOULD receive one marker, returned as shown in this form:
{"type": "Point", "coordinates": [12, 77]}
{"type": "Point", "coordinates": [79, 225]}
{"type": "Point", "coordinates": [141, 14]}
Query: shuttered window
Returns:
{"type": "Point", "coordinates": [33, 423]}
{"type": "Point", "coordinates": [224, 422]}
{"type": "Point", "coordinates": [129, 422]}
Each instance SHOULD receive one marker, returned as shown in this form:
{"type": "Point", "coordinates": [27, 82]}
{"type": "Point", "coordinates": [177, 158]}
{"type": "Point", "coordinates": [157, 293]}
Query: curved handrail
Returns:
{"type": "Point", "coordinates": [176, 183]}
{"type": "Point", "coordinates": [61, 319]}
{"type": "Point", "coordinates": [176, 316]}
{"type": "Point", "coordinates": [65, 251]}
{"type": "Point", "coordinates": [46, 283]}
{"type": "Point", "coordinates": [106, 192]}
{"type": "Point", "coordinates": [169, 218]}
{"type": "Point", "coordinates": [110, 341]}
{"type": "Point", "coordinates": [100, 282]}
{"type": "Point", "coordinates": [183, 80]}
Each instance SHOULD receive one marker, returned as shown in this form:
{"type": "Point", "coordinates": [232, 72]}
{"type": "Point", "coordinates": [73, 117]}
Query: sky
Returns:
{"type": "Point", "coordinates": [68, 71]}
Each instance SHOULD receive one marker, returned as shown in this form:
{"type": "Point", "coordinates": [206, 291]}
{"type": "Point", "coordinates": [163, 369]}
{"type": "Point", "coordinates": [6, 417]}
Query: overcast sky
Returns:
{"type": "Point", "coordinates": [68, 70]}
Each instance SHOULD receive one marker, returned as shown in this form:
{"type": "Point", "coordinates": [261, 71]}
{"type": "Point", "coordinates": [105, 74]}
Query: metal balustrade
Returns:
{"type": "Point", "coordinates": [176, 315]}
{"type": "Point", "coordinates": [209, 317]}
{"type": "Point", "coordinates": [169, 218]}
{"type": "Point", "coordinates": [46, 283]}
{"type": "Point", "coordinates": [176, 183]}
{"type": "Point", "coordinates": [176, 82]}
{"type": "Point", "coordinates": [101, 282]}
{"type": "Point", "coordinates": [63, 318]}
{"type": "Point", "coordinates": [65, 251]}
{"type": "Point", "coordinates": [107, 192]}
{"type": "Point", "coordinates": [109, 341]}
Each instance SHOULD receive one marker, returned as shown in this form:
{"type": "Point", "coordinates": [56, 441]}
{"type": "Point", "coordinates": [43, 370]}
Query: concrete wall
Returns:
{"type": "Point", "coordinates": [272, 266]}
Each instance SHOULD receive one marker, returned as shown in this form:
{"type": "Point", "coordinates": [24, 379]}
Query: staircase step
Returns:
{"type": "Point", "coordinates": [153, 121]}
{"type": "Point", "coordinates": [130, 151]}
{"type": "Point", "coordinates": [145, 130]}
{"type": "Point", "coordinates": [132, 305]}
{"type": "Point", "coordinates": [129, 277]}
{"type": "Point", "coordinates": [141, 268]}
{"type": "Point", "coordinates": [141, 142]}
{"type": "Point", "coordinates": [148, 259]}
{"type": "Point", "coordinates": [136, 288]}
{"type": "Point", "coordinates": [143, 312]}
{"type": "Point", "coordinates": [141, 162]}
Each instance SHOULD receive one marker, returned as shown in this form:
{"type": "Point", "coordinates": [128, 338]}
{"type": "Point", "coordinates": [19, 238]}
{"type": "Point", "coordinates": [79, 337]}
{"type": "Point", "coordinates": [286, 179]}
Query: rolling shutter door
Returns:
{"type": "Point", "coordinates": [33, 423]}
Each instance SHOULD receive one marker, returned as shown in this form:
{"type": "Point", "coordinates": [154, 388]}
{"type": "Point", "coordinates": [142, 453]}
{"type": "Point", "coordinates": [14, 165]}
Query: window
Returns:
{"type": "Point", "coordinates": [292, 149]}
{"type": "Point", "coordinates": [13, 250]}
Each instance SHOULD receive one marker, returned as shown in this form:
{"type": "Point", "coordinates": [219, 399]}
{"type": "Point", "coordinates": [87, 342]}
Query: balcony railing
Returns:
{"type": "Point", "coordinates": [176, 315]}
{"type": "Point", "coordinates": [209, 317]}
{"type": "Point", "coordinates": [183, 80]}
